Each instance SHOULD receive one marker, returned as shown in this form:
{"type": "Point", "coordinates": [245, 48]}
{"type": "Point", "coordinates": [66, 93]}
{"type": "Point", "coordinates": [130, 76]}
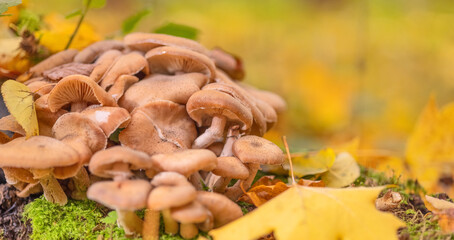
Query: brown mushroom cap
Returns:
{"type": "Point", "coordinates": [165, 197]}
{"type": "Point", "coordinates": [193, 212]}
{"type": "Point", "coordinates": [176, 88]}
{"type": "Point", "coordinates": [231, 167]}
{"type": "Point", "coordinates": [108, 118]}
{"type": "Point", "coordinates": [128, 64]}
{"type": "Point", "coordinates": [90, 53]}
{"type": "Point", "coordinates": [41, 88]}
{"type": "Point", "coordinates": [253, 149]}
{"type": "Point", "coordinates": [59, 72]}
{"type": "Point", "coordinates": [57, 59]}
{"type": "Point", "coordinates": [169, 179]}
{"type": "Point", "coordinates": [272, 99]}
{"type": "Point", "coordinates": [205, 104]}
{"type": "Point", "coordinates": [186, 162]}
{"type": "Point", "coordinates": [46, 118]}
{"type": "Point", "coordinates": [9, 123]}
{"type": "Point", "coordinates": [127, 195]}
{"type": "Point", "coordinates": [37, 152]}
{"type": "Point", "coordinates": [103, 162]}
{"type": "Point", "coordinates": [229, 63]}
{"type": "Point", "coordinates": [78, 88]}
{"type": "Point", "coordinates": [103, 64]}
{"type": "Point", "coordinates": [147, 41]}
{"type": "Point", "coordinates": [121, 85]}
{"type": "Point", "coordinates": [222, 208]}
{"type": "Point", "coordinates": [18, 174]}
{"type": "Point", "coordinates": [173, 60]}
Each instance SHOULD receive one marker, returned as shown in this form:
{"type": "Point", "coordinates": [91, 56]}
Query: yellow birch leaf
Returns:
{"type": "Point", "coordinates": [316, 213]}
{"type": "Point", "coordinates": [343, 172]}
{"type": "Point", "coordinates": [317, 164]}
{"type": "Point", "coordinates": [19, 101]}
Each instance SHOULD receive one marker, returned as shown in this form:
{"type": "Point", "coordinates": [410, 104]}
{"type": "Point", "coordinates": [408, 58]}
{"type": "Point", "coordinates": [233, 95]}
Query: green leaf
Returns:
{"type": "Point", "coordinates": [111, 218]}
{"type": "Point", "coordinates": [178, 30]}
{"type": "Point", "coordinates": [131, 22]}
{"type": "Point", "coordinates": [95, 3]}
{"type": "Point", "coordinates": [5, 4]}
{"type": "Point", "coordinates": [29, 20]}
{"type": "Point", "coordinates": [73, 14]}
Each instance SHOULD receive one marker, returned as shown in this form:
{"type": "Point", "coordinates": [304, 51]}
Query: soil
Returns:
{"type": "Point", "coordinates": [11, 208]}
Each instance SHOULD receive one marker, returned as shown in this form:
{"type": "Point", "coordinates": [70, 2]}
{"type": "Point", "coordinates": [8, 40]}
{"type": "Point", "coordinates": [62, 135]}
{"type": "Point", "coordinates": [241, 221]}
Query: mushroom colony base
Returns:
{"type": "Point", "coordinates": [154, 127]}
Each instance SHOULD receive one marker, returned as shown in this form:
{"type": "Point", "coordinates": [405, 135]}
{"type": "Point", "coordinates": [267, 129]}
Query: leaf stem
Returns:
{"type": "Point", "coordinates": [81, 19]}
{"type": "Point", "coordinates": [284, 139]}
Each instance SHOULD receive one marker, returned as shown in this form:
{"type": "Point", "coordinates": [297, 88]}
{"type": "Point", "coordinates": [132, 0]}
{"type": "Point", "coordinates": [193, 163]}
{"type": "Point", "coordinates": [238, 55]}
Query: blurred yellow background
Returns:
{"type": "Point", "coordinates": [359, 68]}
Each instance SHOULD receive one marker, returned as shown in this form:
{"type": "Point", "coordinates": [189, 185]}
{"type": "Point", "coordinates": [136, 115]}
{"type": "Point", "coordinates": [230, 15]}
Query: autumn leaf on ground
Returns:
{"type": "Point", "coordinates": [445, 212]}
{"type": "Point", "coordinates": [316, 213]}
{"type": "Point", "coordinates": [19, 101]}
{"type": "Point", "coordinates": [335, 171]}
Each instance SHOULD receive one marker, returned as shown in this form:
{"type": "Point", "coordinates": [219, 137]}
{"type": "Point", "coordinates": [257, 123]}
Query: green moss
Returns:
{"type": "Point", "coordinates": [76, 220]}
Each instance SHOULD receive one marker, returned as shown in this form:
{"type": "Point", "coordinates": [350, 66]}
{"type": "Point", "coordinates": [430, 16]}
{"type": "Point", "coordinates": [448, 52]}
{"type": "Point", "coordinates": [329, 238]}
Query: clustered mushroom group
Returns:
{"type": "Point", "coordinates": [186, 128]}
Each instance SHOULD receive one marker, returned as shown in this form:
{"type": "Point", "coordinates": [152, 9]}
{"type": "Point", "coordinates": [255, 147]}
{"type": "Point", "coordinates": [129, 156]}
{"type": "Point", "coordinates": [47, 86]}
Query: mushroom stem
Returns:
{"type": "Point", "coordinates": [170, 225]}
{"type": "Point", "coordinates": [221, 184]}
{"type": "Point", "coordinates": [232, 136]}
{"type": "Point", "coordinates": [31, 188]}
{"type": "Point", "coordinates": [52, 190]}
{"type": "Point", "coordinates": [188, 230]}
{"type": "Point", "coordinates": [150, 229]}
{"type": "Point", "coordinates": [130, 222]}
{"type": "Point", "coordinates": [235, 191]}
{"type": "Point", "coordinates": [121, 171]}
{"type": "Point", "coordinates": [212, 134]}
{"type": "Point", "coordinates": [81, 183]}
{"type": "Point", "coordinates": [78, 106]}
{"type": "Point", "coordinates": [197, 181]}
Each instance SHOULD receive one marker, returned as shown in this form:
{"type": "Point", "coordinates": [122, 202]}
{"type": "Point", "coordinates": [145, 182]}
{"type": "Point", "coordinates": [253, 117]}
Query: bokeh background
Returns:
{"type": "Point", "coordinates": [347, 68]}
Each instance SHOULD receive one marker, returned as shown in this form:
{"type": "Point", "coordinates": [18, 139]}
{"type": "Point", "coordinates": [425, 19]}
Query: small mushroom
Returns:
{"type": "Point", "coordinates": [173, 61]}
{"type": "Point", "coordinates": [216, 109]}
{"type": "Point", "coordinates": [129, 64]}
{"type": "Point", "coordinates": [228, 168]}
{"type": "Point", "coordinates": [41, 88]}
{"type": "Point", "coordinates": [55, 60]}
{"type": "Point", "coordinates": [188, 216]}
{"type": "Point", "coordinates": [147, 41]}
{"type": "Point", "coordinates": [229, 63]}
{"type": "Point", "coordinates": [121, 85]}
{"type": "Point", "coordinates": [222, 208]}
{"type": "Point", "coordinates": [9, 123]}
{"type": "Point", "coordinates": [103, 64]}
{"type": "Point", "coordinates": [90, 53]}
{"type": "Point", "coordinates": [272, 99]}
{"type": "Point", "coordinates": [79, 91]}
{"type": "Point", "coordinates": [177, 89]}
{"type": "Point", "coordinates": [108, 118]}
{"type": "Point", "coordinates": [45, 158]}
{"type": "Point", "coordinates": [46, 118]}
{"type": "Point", "coordinates": [171, 190]}
{"type": "Point", "coordinates": [125, 197]}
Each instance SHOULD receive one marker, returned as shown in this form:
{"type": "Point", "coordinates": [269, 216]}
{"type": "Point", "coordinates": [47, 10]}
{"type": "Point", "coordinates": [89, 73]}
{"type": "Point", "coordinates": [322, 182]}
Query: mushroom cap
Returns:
{"type": "Point", "coordinates": [104, 161]}
{"type": "Point", "coordinates": [169, 179]}
{"type": "Point", "coordinates": [78, 88]}
{"type": "Point", "coordinates": [193, 212]}
{"type": "Point", "coordinates": [18, 174]}
{"type": "Point", "coordinates": [165, 197]}
{"type": "Point", "coordinates": [108, 118]}
{"type": "Point", "coordinates": [90, 53]}
{"type": "Point", "coordinates": [253, 149]}
{"type": "Point", "coordinates": [231, 167]}
{"type": "Point", "coordinates": [128, 64]}
{"type": "Point", "coordinates": [41, 88]}
{"type": "Point", "coordinates": [172, 60]}
{"type": "Point", "coordinates": [229, 63]}
{"type": "Point", "coordinates": [121, 85]}
{"type": "Point", "coordinates": [103, 64]}
{"type": "Point", "coordinates": [186, 162]}
{"type": "Point", "coordinates": [176, 88]}
{"type": "Point", "coordinates": [76, 125]}
{"type": "Point", "coordinates": [222, 208]}
{"type": "Point", "coordinates": [129, 195]}
{"type": "Point", "coordinates": [147, 41]}
{"type": "Point", "coordinates": [46, 118]}
{"type": "Point", "coordinates": [37, 152]}
{"type": "Point", "coordinates": [216, 148]}
{"type": "Point", "coordinates": [59, 72]}
{"type": "Point", "coordinates": [268, 112]}
{"type": "Point", "coordinates": [276, 101]}
{"type": "Point", "coordinates": [9, 123]}
{"type": "Point", "coordinates": [203, 105]}
{"type": "Point", "coordinates": [57, 59]}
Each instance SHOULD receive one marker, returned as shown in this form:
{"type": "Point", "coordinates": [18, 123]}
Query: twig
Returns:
{"type": "Point", "coordinates": [81, 19]}
{"type": "Point", "coordinates": [284, 139]}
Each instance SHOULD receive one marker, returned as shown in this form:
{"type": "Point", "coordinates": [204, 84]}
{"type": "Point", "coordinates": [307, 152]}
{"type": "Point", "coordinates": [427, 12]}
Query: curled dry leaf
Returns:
{"type": "Point", "coordinates": [59, 72]}
{"type": "Point", "coordinates": [445, 212]}
{"type": "Point", "coordinates": [389, 201]}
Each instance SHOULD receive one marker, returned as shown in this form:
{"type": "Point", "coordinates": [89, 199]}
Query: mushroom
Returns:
{"type": "Point", "coordinates": [164, 125]}
{"type": "Point", "coordinates": [79, 91]}
{"type": "Point", "coordinates": [46, 158]}
{"type": "Point", "coordinates": [253, 150]}
{"type": "Point", "coordinates": [103, 64]}
{"type": "Point", "coordinates": [218, 109]}
{"type": "Point", "coordinates": [125, 196]}
{"type": "Point", "coordinates": [189, 215]}
{"type": "Point", "coordinates": [55, 60]}
{"type": "Point", "coordinates": [173, 61]}
{"type": "Point", "coordinates": [90, 53]}
{"type": "Point", "coordinates": [229, 63]}
{"type": "Point", "coordinates": [147, 41]}
{"type": "Point", "coordinates": [177, 89]}
{"type": "Point", "coordinates": [41, 88]}
{"type": "Point", "coordinates": [272, 99]}
{"type": "Point", "coordinates": [228, 168]}
{"type": "Point", "coordinates": [23, 180]}
{"type": "Point", "coordinates": [108, 118]}
{"type": "Point", "coordinates": [121, 85]}
{"type": "Point", "coordinates": [46, 118]}
{"type": "Point", "coordinates": [117, 162]}
{"type": "Point", "coordinates": [128, 64]}
{"type": "Point", "coordinates": [57, 73]}
{"type": "Point", "coordinates": [222, 208]}
{"type": "Point", "coordinates": [9, 123]}
{"type": "Point", "coordinates": [171, 190]}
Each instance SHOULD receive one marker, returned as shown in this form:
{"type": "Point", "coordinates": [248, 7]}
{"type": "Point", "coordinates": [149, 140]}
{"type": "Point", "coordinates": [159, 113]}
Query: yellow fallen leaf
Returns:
{"type": "Point", "coordinates": [316, 213]}
{"type": "Point", "coordinates": [445, 212]}
{"type": "Point", "coordinates": [19, 101]}
{"type": "Point", "coordinates": [320, 163]}
{"type": "Point", "coordinates": [435, 204]}
{"type": "Point", "coordinates": [343, 172]}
